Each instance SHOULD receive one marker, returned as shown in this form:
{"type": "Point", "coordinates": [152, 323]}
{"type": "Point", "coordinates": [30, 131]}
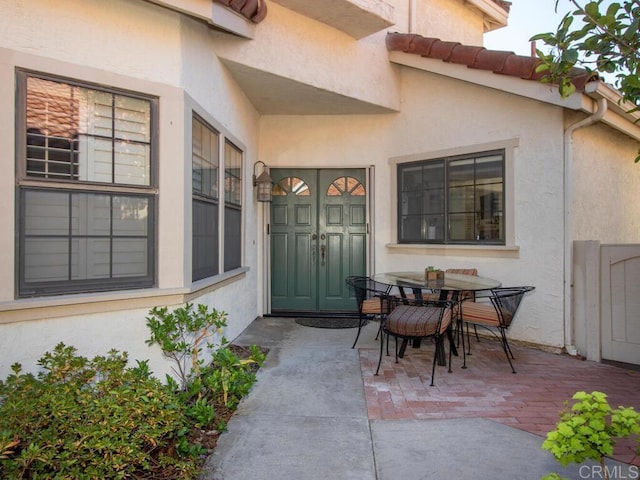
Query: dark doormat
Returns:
{"type": "Point", "coordinates": [319, 322]}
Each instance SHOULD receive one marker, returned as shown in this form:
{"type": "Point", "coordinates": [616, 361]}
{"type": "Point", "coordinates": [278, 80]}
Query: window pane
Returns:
{"type": "Point", "coordinates": [204, 239]}
{"type": "Point", "coordinates": [46, 213]}
{"type": "Point", "coordinates": [132, 119]}
{"type": "Point", "coordinates": [205, 161]}
{"type": "Point", "coordinates": [462, 226]}
{"type": "Point", "coordinates": [132, 163]}
{"type": "Point", "coordinates": [232, 238]}
{"type": "Point", "coordinates": [90, 258]}
{"type": "Point", "coordinates": [130, 257]}
{"type": "Point", "coordinates": [232, 174]}
{"type": "Point", "coordinates": [75, 236]}
{"type": "Point", "coordinates": [46, 259]}
{"type": "Point", "coordinates": [130, 216]}
{"type": "Point", "coordinates": [71, 134]}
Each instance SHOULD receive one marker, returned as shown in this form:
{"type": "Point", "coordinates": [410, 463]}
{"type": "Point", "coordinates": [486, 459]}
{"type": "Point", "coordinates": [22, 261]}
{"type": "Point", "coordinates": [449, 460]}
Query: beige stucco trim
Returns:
{"type": "Point", "coordinates": [31, 309]}
{"type": "Point", "coordinates": [456, 250]}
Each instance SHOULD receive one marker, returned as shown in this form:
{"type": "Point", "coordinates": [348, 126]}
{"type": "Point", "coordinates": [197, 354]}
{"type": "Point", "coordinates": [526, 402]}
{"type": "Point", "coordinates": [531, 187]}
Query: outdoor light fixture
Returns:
{"type": "Point", "coordinates": [263, 182]}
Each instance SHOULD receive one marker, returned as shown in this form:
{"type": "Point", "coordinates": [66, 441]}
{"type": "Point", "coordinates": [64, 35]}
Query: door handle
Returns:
{"type": "Point", "coordinates": [323, 249]}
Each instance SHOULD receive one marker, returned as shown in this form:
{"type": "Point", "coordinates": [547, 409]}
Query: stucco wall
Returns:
{"type": "Point", "coordinates": [440, 114]}
{"type": "Point", "coordinates": [138, 46]}
{"type": "Point", "coordinates": [606, 186]}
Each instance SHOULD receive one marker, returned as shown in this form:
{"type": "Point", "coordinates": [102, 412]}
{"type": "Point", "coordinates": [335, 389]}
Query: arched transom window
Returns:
{"type": "Point", "coordinates": [346, 186]}
{"type": "Point", "coordinates": [291, 185]}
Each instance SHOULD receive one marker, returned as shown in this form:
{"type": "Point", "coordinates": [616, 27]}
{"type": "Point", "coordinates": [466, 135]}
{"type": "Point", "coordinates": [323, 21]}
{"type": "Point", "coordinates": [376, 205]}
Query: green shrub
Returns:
{"type": "Point", "coordinates": [588, 431]}
{"type": "Point", "coordinates": [223, 380]}
{"type": "Point", "coordinates": [82, 419]}
{"type": "Point", "coordinates": [181, 335]}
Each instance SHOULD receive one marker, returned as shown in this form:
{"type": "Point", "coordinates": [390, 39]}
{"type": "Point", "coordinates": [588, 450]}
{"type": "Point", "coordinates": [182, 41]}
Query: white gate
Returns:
{"type": "Point", "coordinates": [620, 303]}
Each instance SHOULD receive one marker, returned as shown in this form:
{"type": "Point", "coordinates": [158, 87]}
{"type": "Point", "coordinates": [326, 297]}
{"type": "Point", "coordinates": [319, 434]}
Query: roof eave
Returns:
{"type": "Point", "coordinates": [505, 83]}
{"type": "Point", "coordinates": [618, 113]}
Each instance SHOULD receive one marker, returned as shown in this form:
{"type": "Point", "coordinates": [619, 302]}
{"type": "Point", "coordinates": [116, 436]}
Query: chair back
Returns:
{"type": "Point", "coordinates": [465, 294]}
{"type": "Point", "coordinates": [506, 301]}
{"type": "Point", "coordinates": [365, 288]}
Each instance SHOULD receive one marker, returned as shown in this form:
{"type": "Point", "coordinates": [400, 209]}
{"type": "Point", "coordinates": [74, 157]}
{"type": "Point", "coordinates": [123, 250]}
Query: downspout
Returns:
{"type": "Point", "coordinates": [569, 341]}
{"type": "Point", "coordinates": [412, 16]}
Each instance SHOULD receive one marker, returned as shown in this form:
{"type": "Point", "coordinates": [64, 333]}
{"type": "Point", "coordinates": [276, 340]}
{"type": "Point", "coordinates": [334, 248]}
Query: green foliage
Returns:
{"type": "Point", "coordinates": [81, 418]}
{"type": "Point", "coordinates": [231, 376]}
{"type": "Point", "coordinates": [95, 419]}
{"type": "Point", "coordinates": [225, 379]}
{"type": "Point", "coordinates": [607, 41]}
{"type": "Point", "coordinates": [588, 431]}
{"type": "Point", "coordinates": [181, 335]}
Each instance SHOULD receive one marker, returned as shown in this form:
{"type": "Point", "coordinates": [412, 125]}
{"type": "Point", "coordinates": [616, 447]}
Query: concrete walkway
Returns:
{"type": "Point", "coordinates": [306, 419]}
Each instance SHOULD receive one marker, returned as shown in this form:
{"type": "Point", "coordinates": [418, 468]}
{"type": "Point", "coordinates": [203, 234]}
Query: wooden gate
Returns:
{"type": "Point", "coordinates": [620, 302]}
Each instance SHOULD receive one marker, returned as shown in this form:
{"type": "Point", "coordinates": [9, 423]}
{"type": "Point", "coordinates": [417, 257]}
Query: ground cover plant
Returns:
{"type": "Point", "coordinates": [99, 418]}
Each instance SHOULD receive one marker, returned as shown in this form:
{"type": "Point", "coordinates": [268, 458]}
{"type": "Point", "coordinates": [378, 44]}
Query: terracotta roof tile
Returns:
{"type": "Point", "coordinates": [500, 62]}
{"type": "Point", "coordinates": [254, 10]}
{"type": "Point", "coordinates": [503, 4]}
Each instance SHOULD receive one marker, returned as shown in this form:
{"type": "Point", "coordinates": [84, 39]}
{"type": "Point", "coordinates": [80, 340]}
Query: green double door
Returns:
{"type": "Point", "coordinates": [318, 237]}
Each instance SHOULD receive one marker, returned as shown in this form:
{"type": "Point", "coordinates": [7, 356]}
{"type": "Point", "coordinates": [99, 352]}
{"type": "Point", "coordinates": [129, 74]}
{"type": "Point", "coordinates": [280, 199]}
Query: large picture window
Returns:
{"type": "Point", "coordinates": [452, 200]}
{"type": "Point", "coordinates": [85, 179]}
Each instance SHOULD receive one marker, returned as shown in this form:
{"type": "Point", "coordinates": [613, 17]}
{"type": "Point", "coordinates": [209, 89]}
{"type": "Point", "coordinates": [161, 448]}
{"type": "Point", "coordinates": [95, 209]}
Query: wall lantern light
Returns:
{"type": "Point", "coordinates": [263, 182]}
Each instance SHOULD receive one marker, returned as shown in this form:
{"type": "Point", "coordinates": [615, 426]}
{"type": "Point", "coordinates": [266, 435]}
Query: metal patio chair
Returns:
{"type": "Point", "coordinates": [416, 319]}
{"type": "Point", "coordinates": [496, 316]}
{"type": "Point", "coordinates": [371, 299]}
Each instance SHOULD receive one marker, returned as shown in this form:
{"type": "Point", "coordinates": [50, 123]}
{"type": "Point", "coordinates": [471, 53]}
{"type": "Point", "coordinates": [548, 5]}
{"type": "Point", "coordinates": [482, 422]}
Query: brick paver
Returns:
{"type": "Point", "coordinates": [530, 400]}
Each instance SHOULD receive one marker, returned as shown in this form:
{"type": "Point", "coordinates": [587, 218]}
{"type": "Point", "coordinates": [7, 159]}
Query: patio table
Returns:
{"type": "Point", "coordinates": [448, 287]}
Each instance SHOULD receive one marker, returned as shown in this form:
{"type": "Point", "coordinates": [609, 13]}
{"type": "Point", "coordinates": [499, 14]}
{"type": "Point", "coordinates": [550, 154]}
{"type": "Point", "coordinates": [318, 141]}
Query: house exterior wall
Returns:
{"type": "Point", "coordinates": [447, 20]}
{"type": "Point", "coordinates": [606, 186]}
{"type": "Point", "coordinates": [137, 46]}
{"type": "Point", "coordinates": [442, 115]}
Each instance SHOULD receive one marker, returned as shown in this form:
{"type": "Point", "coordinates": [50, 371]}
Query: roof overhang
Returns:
{"type": "Point", "coordinates": [214, 14]}
{"type": "Point", "coordinates": [494, 16]}
{"type": "Point", "coordinates": [617, 115]}
{"type": "Point", "coordinates": [505, 83]}
{"type": "Point", "coordinates": [357, 18]}
{"type": "Point", "coordinates": [273, 94]}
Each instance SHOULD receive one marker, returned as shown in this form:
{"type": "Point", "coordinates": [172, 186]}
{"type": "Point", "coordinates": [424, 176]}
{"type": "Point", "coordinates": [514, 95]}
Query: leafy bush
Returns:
{"type": "Point", "coordinates": [95, 419]}
{"type": "Point", "coordinates": [81, 418]}
{"type": "Point", "coordinates": [181, 335]}
{"type": "Point", "coordinates": [589, 431]}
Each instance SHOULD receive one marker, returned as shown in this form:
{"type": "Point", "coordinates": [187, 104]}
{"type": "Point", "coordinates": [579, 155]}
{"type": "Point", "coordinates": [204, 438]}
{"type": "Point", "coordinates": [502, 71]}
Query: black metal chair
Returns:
{"type": "Point", "coordinates": [495, 315]}
{"type": "Point", "coordinates": [371, 299]}
{"type": "Point", "coordinates": [417, 319]}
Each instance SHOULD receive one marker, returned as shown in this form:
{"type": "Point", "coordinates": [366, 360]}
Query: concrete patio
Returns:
{"type": "Point", "coordinates": [318, 412]}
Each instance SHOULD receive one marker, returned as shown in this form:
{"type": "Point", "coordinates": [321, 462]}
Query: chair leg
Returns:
{"type": "Point", "coordinates": [507, 349]}
{"type": "Point", "coordinates": [435, 357]}
{"type": "Point", "coordinates": [381, 350]}
{"type": "Point", "coordinates": [361, 321]}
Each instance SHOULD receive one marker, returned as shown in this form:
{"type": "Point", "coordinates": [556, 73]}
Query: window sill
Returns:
{"type": "Point", "coordinates": [41, 308]}
{"type": "Point", "coordinates": [499, 251]}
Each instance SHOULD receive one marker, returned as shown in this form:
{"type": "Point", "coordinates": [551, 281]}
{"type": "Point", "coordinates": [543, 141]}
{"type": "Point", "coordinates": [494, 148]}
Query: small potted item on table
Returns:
{"type": "Point", "coordinates": [432, 273]}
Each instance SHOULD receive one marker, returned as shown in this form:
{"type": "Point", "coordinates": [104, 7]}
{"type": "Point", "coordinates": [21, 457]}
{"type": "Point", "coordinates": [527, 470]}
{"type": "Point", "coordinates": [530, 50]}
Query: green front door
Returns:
{"type": "Point", "coordinates": [318, 232]}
